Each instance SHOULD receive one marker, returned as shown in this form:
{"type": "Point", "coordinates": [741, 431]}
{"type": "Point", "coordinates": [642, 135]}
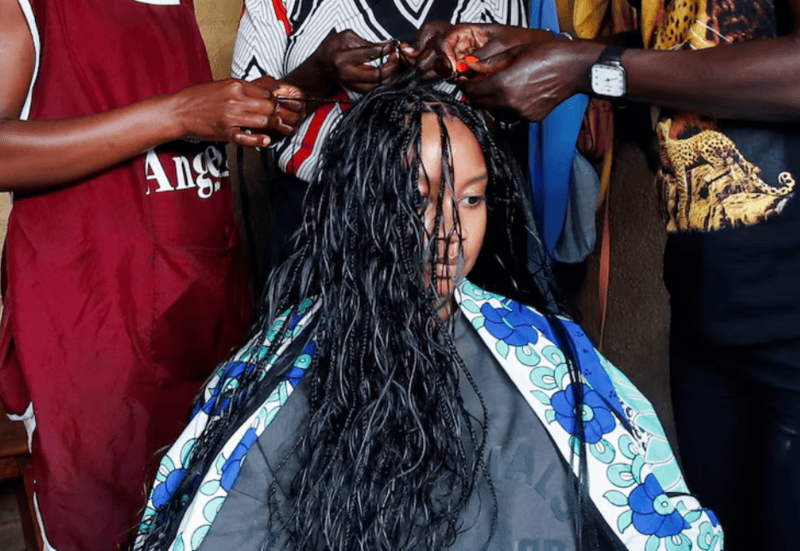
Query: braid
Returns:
{"type": "Point", "coordinates": [388, 429]}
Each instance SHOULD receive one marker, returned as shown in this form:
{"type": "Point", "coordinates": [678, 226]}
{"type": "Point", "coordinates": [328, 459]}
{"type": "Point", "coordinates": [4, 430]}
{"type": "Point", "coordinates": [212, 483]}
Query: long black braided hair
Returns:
{"type": "Point", "coordinates": [390, 456]}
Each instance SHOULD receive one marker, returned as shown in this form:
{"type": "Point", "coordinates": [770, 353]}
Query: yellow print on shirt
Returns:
{"type": "Point", "coordinates": [708, 185]}
{"type": "Point", "coordinates": [699, 24]}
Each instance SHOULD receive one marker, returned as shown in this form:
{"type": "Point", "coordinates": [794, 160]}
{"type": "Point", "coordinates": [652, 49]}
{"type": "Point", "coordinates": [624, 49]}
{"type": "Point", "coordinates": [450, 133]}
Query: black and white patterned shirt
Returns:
{"type": "Point", "coordinates": [276, 36]}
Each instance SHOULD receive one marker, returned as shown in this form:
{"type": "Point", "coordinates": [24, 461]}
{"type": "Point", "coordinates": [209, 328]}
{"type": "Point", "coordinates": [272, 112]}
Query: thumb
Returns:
{"type": "Point", "coordinates": [286, 90]}
{"type": "Point", "coordinates": [291, 97]}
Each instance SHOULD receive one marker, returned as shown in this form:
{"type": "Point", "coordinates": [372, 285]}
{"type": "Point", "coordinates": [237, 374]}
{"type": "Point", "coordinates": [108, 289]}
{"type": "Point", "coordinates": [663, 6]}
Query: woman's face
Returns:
{"type": "Point", "coordinates": [459, 242]}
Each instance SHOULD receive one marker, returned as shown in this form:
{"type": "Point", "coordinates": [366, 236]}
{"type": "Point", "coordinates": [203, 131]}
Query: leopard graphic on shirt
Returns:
{"type": "Point", "coordinates": [707, 182]}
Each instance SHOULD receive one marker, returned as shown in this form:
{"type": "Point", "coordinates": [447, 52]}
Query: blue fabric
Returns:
{"type": "Point", "coordinates": [591, 368]}
{"type": "Point", "coordinates": [517, 325]}
{"type": "Point", "coordinates": [552, 146]}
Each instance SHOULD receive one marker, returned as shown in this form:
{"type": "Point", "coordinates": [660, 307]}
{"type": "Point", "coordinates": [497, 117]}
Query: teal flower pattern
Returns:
{"type": "Point", "coordinates": [512, 323]}
{"type": "Point", "coordinates": [653, 511]}
{"type": "Point", "coordinates": [595, 415]}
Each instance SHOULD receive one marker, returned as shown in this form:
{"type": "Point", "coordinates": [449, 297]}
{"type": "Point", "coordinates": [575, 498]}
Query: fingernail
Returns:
{"type": "Point", "coordinates": [471, 59]}
{"type": "Point", "coordinates": [461, 67]}
{"type": "Point", "coordinates": [266, 141]}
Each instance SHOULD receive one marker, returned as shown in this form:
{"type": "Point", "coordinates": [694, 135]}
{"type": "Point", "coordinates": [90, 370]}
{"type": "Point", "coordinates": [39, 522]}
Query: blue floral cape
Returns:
{"type": "Point", "coordinates": [634, 481]}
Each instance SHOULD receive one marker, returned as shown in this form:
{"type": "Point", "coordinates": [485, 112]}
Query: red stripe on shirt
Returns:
{"type": "Point", "coordinates": [280, 11]}
{"type": "Point", "coordinates": [311, 136]}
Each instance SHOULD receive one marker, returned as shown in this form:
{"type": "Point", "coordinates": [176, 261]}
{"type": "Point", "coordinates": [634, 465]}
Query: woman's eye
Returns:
{"type": "Point", "coordinates": [474, 200]}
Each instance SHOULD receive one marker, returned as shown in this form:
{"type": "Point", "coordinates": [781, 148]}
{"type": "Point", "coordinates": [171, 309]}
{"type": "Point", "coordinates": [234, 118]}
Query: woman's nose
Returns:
{"type": "Point", "coordinates": [453, 233]}
{"type": "Point", "coordinates": [451, 227]}
{"type": "Point", "coordinates": [451, 236]}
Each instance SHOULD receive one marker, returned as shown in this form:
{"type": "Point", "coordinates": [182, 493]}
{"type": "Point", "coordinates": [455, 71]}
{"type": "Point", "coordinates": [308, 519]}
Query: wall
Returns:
{"type": "Point", "coordinates": [637, 322]}
{"type": "Point", "coordinates": [218, 21]}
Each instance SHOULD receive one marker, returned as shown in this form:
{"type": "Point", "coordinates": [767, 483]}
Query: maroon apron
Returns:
{"type": "Point", "coordinates": [124, 290]}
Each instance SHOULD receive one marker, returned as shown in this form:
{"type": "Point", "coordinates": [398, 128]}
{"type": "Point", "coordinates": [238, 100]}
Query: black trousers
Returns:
{"type": "Point", "coordinates": [737, 413]}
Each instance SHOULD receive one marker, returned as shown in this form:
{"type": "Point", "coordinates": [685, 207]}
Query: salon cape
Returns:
{"type": "Point", "coordinates": [634, 480]}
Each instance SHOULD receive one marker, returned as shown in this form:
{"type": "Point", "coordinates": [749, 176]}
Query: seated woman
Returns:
{"type": "Point", "coordinates": [411, 384]}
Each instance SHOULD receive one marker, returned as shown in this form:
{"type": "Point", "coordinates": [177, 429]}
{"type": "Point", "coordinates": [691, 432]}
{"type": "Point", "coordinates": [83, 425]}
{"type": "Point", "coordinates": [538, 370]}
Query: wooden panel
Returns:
{"type": "Point", "coordinates": [9, 469]}
{"type": "Point", "coordinates": [13, 438]}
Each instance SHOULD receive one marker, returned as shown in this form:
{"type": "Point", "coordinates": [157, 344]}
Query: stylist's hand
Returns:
{"type": "Point", "coordinates": [344, 57]}
{"type": "Point", "coordinates": [443, 45]}
{"type": "Point", "coordinates": [530, 79]}
{"type": "Point", "coordinates": [431, 63]}
{"type": "Point", "coordinates": [225, 110]}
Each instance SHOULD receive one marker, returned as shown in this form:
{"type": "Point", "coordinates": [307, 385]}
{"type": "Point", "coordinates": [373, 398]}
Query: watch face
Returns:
{"type": "Point", "coordinates": [608, 80]}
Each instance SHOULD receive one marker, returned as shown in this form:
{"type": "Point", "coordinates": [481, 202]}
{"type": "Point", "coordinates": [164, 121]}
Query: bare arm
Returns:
{"type": "Point", "coordinates": [756, 80]}
{"type": "Point", "coordinates": [42, 154]}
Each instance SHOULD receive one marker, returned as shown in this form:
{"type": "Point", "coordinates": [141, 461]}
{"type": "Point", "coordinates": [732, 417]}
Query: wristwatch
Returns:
{"type": "Point", "coordinates": [607, 75]}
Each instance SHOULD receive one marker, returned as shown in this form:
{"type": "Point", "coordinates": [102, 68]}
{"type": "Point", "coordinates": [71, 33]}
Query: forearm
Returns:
{"type": "Point", "coordinates": [37, 155]}
{"type": "Point", "coordinates": [756, 80]}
